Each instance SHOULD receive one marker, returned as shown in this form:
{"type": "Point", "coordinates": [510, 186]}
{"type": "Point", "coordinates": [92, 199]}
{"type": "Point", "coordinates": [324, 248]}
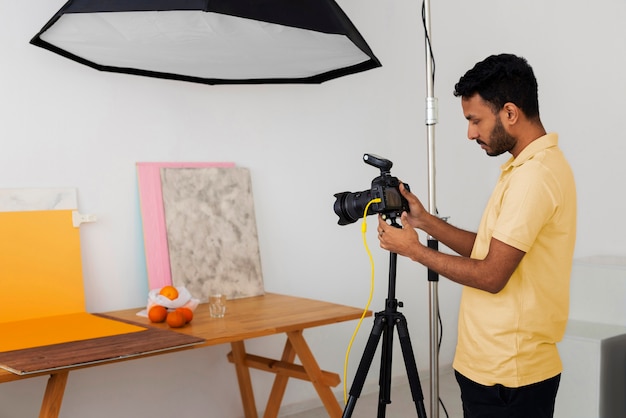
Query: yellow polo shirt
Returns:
{"type": "Point", "coordinates": [510, 337]}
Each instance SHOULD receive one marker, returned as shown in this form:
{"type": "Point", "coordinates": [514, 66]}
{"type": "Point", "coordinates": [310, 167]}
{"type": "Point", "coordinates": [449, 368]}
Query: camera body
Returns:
{"type": "Point", "coordinates": [351, 206]}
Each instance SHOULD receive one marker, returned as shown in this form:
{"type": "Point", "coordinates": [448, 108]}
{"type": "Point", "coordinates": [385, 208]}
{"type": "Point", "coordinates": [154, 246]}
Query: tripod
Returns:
{"type": "Point", "coordinates": [384, 323]}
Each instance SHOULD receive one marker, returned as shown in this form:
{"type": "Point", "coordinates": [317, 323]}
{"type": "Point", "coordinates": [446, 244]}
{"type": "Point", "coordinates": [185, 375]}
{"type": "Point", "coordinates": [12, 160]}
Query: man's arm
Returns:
{"type": "Point", "coordinates": [458, 240]}
{"type": "Point", "coordinates": [490, 274]}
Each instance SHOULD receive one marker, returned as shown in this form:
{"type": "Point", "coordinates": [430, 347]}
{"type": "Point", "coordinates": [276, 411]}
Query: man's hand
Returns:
{"type": "Point", "coordinates": [417, 212]}
{"type": "Point", "coordinates": [402, 241]}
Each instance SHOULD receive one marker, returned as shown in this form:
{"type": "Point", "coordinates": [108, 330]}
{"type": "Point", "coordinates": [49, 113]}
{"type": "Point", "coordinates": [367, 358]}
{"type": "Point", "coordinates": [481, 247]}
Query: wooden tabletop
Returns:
{"type": "Point", "coordinates": [245, 318]}
{"type": "Point", "coordinates": [254, 317]}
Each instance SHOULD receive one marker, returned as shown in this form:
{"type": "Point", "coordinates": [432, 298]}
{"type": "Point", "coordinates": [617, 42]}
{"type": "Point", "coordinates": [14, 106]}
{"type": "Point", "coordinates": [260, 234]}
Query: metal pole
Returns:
{"type": "Point", "coordinates": [433, 279]}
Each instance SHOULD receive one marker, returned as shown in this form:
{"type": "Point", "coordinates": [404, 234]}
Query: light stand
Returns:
{"type": "Point", "coordinates": [384, 323]}
{"type": "Point", "coordinates": [433, 277]}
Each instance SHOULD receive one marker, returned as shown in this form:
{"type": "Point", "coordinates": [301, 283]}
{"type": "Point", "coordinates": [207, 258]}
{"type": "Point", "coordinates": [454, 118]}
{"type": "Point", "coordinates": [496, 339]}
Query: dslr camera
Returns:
{"type": "Point", "coordinates": [351, 206]}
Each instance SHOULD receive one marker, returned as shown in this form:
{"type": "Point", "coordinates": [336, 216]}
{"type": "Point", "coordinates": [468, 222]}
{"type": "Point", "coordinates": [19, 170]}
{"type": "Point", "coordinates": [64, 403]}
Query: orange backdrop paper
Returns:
{"type": "Point", "coordinates": [40, 265]}
{"type": "Point", "coordinates": [59, 329]}
{"type": "Point", "coordinates": [42, 298]}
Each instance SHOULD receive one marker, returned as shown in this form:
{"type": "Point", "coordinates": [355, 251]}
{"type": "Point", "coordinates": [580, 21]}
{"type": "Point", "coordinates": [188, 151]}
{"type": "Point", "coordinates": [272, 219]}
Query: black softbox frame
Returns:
{"type": "Point", "coordinates": [320, 16]}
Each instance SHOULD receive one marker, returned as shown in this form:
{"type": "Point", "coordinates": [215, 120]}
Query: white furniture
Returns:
{"type": "Point", "coordinates": [593, 383]}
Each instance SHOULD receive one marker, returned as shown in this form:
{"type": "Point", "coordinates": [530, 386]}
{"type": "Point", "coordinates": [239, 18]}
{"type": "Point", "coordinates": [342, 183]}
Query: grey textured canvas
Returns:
{"type": "Point", "coordinates": [211, 231]}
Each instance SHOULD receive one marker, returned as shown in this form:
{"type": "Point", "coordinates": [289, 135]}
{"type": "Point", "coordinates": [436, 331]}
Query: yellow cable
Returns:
{"type": "Point", "coordinates": [358, 325]}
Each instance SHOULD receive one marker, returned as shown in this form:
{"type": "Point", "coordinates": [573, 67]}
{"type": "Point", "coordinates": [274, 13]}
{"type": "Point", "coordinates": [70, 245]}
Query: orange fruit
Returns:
{"type": "Point", "coordinates": [176, 319]}
{"type": "Point", "coordinates": [169, 292]}
{"type": "Point", "coordinates": [187, 313]}
{"type": "Point", "coordinates": [157, 313]}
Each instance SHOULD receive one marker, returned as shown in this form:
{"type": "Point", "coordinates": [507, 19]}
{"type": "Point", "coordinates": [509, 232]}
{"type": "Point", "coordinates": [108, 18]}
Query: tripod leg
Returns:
{"type": "Point", "coordinates": [364, 365]}
{"type": "Point", "coordinates": [411, 366]}
{"type": "Point", "coordinates": [384, 381]}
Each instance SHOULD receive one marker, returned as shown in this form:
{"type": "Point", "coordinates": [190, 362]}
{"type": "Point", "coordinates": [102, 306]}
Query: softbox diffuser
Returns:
{"type": "Point", "coordinates": [211, 41]}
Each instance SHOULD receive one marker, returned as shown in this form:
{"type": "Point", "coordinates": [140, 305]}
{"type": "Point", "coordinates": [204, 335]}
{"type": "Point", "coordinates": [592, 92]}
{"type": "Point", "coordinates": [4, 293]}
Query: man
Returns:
{"type": "Point", "coordinates": [515, 270]}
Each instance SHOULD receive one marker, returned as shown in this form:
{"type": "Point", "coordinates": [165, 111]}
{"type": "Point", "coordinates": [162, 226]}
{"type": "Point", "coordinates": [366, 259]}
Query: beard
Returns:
{"type": "Point", "coordinates": [500, 140]}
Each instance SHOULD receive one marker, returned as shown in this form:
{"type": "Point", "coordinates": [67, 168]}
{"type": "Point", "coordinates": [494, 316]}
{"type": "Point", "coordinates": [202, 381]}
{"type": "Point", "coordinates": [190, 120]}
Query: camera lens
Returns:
{"type": "Point", "coordinates": [350, 206]}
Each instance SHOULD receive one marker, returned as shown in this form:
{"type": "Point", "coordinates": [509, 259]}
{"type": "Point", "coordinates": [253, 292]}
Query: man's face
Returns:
{"type": "Point", "coordinates": [486, 128]}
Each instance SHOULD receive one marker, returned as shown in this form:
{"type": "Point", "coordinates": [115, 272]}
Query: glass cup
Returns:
{"type": "Point", "coordinates": [217, 305]}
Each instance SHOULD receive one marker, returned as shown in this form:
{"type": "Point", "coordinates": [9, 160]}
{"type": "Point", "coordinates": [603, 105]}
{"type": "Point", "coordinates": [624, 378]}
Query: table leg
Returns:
{"type": "Point", "coordinates": [243, 377]}
{"type": "Point", "coordinates": [315, 373]}
{"type": "Point", "coordinates": [280, 384]}
{"type": "Point", "coordinates": [53, 396]}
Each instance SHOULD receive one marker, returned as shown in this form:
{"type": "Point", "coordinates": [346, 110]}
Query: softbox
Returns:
{"type": "Point", "coordinates": [210, 41]}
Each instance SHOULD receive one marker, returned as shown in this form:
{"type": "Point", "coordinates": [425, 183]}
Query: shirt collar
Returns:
{"type": "Point", "coordinates": [542, 143]}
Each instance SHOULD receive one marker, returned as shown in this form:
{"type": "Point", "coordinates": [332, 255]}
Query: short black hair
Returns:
{"type": "Point", "coordinates": [500, 79]}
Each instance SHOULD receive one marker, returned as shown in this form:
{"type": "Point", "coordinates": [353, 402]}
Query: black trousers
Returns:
{"type": "Point", "coordinates": [532, 401]}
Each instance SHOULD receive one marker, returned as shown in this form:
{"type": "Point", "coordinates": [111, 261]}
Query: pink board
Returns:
{"type": "Point", "coordinates": [153, 217]}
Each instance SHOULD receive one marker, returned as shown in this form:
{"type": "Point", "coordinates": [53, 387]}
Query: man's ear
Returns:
{"type": "Point", "coordinates": [511, 113]}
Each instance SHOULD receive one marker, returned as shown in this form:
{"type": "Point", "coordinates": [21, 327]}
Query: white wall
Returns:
{"type": "Point", "coordinates": [63, 124]}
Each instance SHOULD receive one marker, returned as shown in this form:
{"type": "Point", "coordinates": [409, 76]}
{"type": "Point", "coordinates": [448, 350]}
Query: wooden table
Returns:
{"type": "Point", "coordinates": [245, 318]}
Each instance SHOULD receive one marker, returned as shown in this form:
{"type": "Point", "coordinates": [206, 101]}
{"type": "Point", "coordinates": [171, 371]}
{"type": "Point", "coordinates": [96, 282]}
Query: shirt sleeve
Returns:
{"type": "Point", "coordinates": [527, 205]}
